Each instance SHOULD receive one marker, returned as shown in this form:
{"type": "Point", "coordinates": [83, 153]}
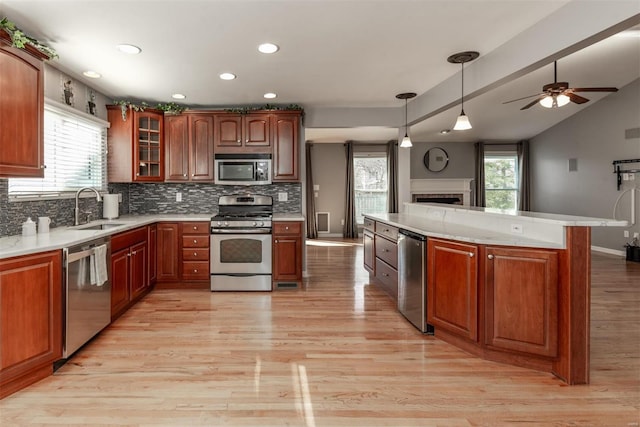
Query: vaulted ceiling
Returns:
{"type": "Point", "coordinates": [346, 58]}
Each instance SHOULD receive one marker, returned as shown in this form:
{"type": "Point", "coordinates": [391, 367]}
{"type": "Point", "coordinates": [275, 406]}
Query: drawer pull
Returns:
{"type": "Point", "coordinates": [286, 228]}
{"type": "Point", "coordinates": [195, 228]}
{"type": "Point", "coordinates": [471, 254]}
{"type": "Point", "coordinates": [195, 241]}
{"type": "Point", "coordinates": [195, 254]}
{"type": "Point", "coordinates": [490, 256]}
{"type": "Point", "coordinates": [195, 271]}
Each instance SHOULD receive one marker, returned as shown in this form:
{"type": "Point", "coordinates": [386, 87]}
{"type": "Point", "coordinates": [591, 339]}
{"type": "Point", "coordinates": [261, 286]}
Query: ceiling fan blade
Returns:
{"type": "Point", "coordinates": [576, 98]}
{"type": "Point", "coordinates": [520, 99]}
{"type": "Point", "coordinates": [534, 102]}
{"type": "Point", "coordinates": [594, 89]}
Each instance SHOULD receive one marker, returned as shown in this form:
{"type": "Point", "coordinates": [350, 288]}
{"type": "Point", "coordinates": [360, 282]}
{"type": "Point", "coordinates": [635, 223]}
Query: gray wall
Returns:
{"type": "Point", "coordinates": [461, 163]}
{"type": "Point", "coordinates": [595, 137]}
{"type": "Point", "coordinates": [329, 165]}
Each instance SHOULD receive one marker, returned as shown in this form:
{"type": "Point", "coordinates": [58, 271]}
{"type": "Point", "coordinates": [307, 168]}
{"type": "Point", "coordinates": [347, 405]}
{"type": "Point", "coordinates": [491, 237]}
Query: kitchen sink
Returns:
{"type": "Point", "coordinates": [100, 226]}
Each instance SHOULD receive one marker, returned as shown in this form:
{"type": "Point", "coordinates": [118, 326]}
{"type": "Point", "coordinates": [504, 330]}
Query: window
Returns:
{"type": "Point", "coordinates": [370, 176]}
{"type": "Point", "coordinates": [501, 180]}
{"type": "Point", "coordinates": [74, 155]}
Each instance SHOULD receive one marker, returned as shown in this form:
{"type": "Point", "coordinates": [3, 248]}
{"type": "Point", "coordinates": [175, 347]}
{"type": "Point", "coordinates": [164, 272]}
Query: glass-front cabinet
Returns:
{"type": "Point", "coordinates": [149, 146]}
{"type": "Point", "coordinates": [136, 145]}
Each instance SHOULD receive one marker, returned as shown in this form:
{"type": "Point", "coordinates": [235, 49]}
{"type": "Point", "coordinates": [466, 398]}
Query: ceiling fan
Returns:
{"type": "Point", "coordinates": [557, 94]}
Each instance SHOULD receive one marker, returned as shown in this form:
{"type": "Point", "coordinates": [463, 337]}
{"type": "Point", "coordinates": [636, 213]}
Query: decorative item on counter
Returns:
{"type": "Point", "coordinates": [28, 228]}
{"type": "Point", "coordinates": [43, 224]}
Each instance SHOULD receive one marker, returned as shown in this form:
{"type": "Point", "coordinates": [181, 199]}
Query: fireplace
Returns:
{"type": "Point", "coordinates": [451, 198]}
{"type": "Point", "coordinates": [456, 191]}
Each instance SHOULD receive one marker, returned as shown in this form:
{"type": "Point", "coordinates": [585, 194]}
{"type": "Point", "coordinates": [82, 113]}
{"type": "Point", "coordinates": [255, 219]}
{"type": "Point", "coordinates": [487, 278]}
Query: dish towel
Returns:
{"type": "Point", "coordinates": [99, 274]}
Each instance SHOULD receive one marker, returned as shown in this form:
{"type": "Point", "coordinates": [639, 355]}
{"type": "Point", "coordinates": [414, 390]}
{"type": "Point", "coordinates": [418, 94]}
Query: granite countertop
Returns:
{"type": "Point", "coordinates": [463, 233]}
{"type": "Point", "coordinates": [61, 237]}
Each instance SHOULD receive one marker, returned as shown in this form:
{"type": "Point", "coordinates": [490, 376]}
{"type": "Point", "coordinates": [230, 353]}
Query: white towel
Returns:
{"type": "Point", "coordinates": [99, 274]}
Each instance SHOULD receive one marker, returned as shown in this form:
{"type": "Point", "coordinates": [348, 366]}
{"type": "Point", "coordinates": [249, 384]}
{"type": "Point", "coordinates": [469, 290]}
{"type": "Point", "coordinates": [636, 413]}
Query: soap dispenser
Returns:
{"type": "Point", "coordinates": [29, 228]}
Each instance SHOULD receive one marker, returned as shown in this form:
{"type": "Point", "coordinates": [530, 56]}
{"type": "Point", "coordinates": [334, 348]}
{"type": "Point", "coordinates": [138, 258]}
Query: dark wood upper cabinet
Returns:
{"type": "Point", "coordinates": [189, 147]}
{"type": "Point", "coordinates": [285, 146]}
{"type": "Point", "coordinates": [21, 111]}
{"type": "Point", "coordinates": [237, 133]}
{"type": "Point", "coordinates": [136, 145]}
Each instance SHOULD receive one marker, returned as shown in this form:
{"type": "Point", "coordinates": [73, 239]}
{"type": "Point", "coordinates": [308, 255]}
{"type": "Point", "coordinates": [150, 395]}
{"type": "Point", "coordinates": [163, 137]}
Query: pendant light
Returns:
{"type": "Point", "coordinates": [406, 141]}
{"type": "Point", "coordinates": [463, 122]}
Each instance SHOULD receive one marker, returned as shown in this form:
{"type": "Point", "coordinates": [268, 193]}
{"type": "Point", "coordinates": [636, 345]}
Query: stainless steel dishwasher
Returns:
{"type": "Point", "coordinates": [87, 292]}
{"type": "Point", "coordinates": [412, 279]}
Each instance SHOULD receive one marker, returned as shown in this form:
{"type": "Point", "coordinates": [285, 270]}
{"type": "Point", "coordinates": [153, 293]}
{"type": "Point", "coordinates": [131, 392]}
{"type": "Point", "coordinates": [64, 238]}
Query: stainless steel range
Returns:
{"type": "Point", "coordinates": [241, 243]}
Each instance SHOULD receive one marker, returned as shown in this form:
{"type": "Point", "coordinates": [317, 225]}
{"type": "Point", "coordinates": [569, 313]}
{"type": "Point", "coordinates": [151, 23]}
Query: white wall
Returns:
{"type": "Point", "coordinates": [595, 137]}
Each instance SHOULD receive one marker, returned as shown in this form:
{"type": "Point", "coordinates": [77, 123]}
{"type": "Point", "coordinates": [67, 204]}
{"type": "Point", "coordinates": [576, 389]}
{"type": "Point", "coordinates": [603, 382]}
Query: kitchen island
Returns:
{"type": "Point", "coordinates": [509, 287]}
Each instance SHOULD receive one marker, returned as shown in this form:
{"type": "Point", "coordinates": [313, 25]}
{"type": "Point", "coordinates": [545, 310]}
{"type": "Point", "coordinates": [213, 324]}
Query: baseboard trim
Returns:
{"type": "Point", "coordinates": [608, 251]}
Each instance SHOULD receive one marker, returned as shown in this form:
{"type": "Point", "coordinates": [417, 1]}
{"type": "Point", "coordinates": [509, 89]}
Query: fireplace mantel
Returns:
{"type": "Point", "coordinates": [443, 186]}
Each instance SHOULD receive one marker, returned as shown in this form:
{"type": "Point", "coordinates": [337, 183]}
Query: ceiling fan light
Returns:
{"type": "Point", "coordinates": [406, 142]}
{"type": "Point", "coordinates": [463, 122]}
{"type": "Point", "coordinates": [563, 100]}
{"type": "Point", "coordinates": [547, 101]}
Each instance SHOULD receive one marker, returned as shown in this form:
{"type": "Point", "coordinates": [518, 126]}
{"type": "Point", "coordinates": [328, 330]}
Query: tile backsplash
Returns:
{"type": "Point", "coordinates": [140, 199]}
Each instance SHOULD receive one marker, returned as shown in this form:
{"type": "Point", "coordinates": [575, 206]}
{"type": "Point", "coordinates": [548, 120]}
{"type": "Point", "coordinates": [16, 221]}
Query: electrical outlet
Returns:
{"type": "Point", "coordinates": [283, 196]}
{"type": "Point", "coordinates": [119, 197]}
{"type": "Point", "coordinates": [626, 233]}
{"type": "Point", "coordinates": [516, 229]}
{"type": "Point", "coordinates": [178, 197]}
{"type": "Point", "coordinates": [636, 235]}
{"type": "Point", "coordinates": [342, 222]}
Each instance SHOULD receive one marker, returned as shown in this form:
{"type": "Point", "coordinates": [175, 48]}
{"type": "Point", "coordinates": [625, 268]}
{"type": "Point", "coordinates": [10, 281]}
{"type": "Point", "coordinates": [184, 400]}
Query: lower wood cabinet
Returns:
{"type": "Point", "coordinates": [152, 245]}
{"type": "Point", "coordinates": [369, 251]}
{"type": "Point", "coordinates": [452, 290]}
{"type": "Point", "coordinates": [287, 253]}
{"type": "Point", "coordinates": [183, 253]}
{"type": "Point", "coordinates": [521, 300]}
{"type": "Point", "coordinates": [129, 269]}
{"type": "Point", "coordinates": [30, 319]}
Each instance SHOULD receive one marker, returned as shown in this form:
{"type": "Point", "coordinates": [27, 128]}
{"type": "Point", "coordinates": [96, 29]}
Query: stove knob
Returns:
{"type": "Point", "coordinates": [226, 224]}
{"type": "Point", "coordinates": [260, 224]}
{"type": "Point", "coordinates": [255, 223]}
{"type": "Point", "coordinates": [219, 223]}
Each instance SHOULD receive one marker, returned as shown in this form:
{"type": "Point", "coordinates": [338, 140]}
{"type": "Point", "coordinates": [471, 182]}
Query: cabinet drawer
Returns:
{"type": "Point", "coordinates": [369, 224]}
{"type": "Point", "coordinates": [195, 241]}
{"type": "Point", "coordinates": [289, 227]}
{"type": "Point", "coordinates": [387, 251]}
{"type": "Point", "coordinates": [195, 270]}
{"type": "Point", "coordinates": [195, 227]}
{"type": "Point", "coordinates": [195, 254]}
{"type": "Point", "coordinates": [388, 277]}
{"type": "Point", "coordinates": [387, 230]}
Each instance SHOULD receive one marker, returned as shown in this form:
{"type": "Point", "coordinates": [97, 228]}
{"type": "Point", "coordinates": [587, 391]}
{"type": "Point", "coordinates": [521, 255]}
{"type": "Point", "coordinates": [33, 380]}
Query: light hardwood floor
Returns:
{"type": "Point", "coordinates": [335, 353]}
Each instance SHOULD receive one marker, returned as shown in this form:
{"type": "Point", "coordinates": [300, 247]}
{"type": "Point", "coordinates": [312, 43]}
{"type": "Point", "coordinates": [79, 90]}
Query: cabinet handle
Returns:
{"type": "Point", "coordinates": [184, 174]}
{"type": "Point", "coordinates": [42, 166]}
{"type": "Point", "coordinates": [195, 227]}
{"type": "Point", "coordinates": [195, 241]}
{"type": "Point", "coordinates": [193, 174]}
{"type": "Point", "coordinates": [239, 141]}
{"type": "Point", "coordinates": [286, 228]}
{"type": "Point", "coordinates": [129, 254]}
{"type": "Point", "coordinates": [195, 254]}
{"type": "Point", "coordinates": [385, 274]}
{"type": "Point", "coordinates": [490, 256]}
{"type": "Point", "coordinates": [137, 174]}
{"type": "Point", "coordinates": [195, 271]}
{"type": "Point", "coordinates": [471, 254]}
{"type": "Point", "coordinates": [276, 241]}
{"type": "Point", "coordinates": [134, 252]}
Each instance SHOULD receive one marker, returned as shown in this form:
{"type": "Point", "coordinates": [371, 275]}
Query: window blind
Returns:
{"type": "Point", "coordinates": [75, 156]}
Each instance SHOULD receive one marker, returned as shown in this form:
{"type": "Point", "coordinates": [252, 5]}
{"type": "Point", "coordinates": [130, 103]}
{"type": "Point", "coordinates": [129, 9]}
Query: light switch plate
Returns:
{"type": "Point", "coordinates": [282, 196]}
{"type": "Point", "coordinates": [178, 197]}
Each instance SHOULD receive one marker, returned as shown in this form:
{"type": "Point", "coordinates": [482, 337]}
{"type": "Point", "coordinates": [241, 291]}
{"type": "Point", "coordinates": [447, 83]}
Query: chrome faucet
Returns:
{"type": "Point", "coordinates": [77, 209]}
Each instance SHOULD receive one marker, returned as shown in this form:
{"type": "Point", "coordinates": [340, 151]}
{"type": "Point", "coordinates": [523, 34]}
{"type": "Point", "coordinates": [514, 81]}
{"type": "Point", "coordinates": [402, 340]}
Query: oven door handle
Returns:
{"type": "Point", "coordinates": [242, 231]}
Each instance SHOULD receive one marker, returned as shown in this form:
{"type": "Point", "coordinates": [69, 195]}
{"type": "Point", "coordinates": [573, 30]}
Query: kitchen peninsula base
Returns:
{"type": "Point", "coordinates": [520, 299]}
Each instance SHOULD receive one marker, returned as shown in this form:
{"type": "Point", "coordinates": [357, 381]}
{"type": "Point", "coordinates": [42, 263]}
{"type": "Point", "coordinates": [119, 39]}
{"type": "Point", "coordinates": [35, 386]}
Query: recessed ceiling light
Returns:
{"type": "Point", "coordinates": [268, 48]}
{"type": "Point", "coordinates": [445, 131]}
{"type": "Point", "coordinates": [178, 96]}
{"type": "Point", "coordinates": [92, 74]}
{"type": "Point", "coordinates": [129, 48]}
{"type": "Point", "coordinates": [269, 95]}
{"type": "Point", "coordinates": [227, 76]}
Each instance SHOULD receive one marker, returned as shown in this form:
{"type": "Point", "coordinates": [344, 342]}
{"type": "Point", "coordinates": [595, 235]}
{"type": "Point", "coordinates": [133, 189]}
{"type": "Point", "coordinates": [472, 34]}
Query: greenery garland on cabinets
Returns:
{"type": "Point", "coordinates": [271, 107]}
{"type": "Point", "coordinates": [20, 40]}
{"type": "Point", "coordinates": [170, 107]}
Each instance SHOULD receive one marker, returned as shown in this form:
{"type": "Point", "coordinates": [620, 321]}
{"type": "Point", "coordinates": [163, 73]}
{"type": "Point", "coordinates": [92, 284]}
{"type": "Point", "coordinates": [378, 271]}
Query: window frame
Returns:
{"type": "Point", "coordinates": [503, 154]}
{"type": "Point", "coordinates": [369, 155]}
{"type": "Point", "coordinates": [73, 114]}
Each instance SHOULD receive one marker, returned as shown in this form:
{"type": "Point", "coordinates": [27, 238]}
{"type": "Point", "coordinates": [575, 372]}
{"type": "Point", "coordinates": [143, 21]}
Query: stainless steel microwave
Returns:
{"type": "Point", "coordinates": [242, 169]}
